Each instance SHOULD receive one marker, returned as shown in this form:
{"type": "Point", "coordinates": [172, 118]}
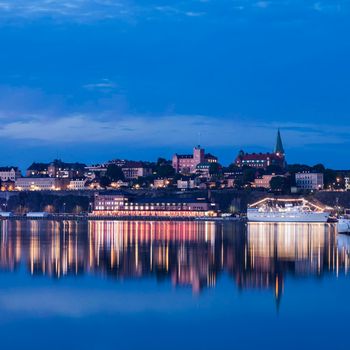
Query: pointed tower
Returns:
{"type": "Point", "coordinates": [279, 150]}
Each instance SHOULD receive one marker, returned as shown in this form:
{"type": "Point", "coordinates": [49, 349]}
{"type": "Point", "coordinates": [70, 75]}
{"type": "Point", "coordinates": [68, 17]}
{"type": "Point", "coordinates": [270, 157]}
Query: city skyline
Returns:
{"type": "Point", "coordinates": [104, 80]}
{"type": "Point", "coordinates": [23, 165]}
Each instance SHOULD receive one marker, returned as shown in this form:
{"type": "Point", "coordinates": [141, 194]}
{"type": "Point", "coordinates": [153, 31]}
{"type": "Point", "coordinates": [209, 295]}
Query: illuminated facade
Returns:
{"type": "Point", "coordinates": [120, 205]}
{"type": "Point", "coordinates": [263, 160]}
{"type": "Point", "coordinates": [263, 181]}
{"type": "Point", "coordinates": [9, 173]}
{"type": "Point", "coordinates": [187, 163]}
{"type": "Point", "coordinates": [133, 170]}
{"type": "Point", "coordinates": [309, 181]}
{"type": "Point", "coordinates": [77, 184]}
{"type": "Point", "coordinates": [40, 184]}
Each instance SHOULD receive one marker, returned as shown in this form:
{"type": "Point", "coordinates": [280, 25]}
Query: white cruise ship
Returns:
{"type": "Point", "coordinates": [286, 210]}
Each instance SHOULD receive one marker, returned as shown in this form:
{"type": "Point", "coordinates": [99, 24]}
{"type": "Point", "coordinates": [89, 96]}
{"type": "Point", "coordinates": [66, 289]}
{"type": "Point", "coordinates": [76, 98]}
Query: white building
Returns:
{"type": "Point", "coordinates": [77, 184]}
{"type": "Point", "coordinates": [9, 173]}
{"type": "Point", "coordinates": [134, 170]}
{"type": "Point", "coordinates": [347, 183]}
{"type": "Point", "coordinates": [95, 170]}
{"type": "Point", "coordinates": [185, 184]}
{"type": "Point", "coordinates": [309, 181]}
{"type": "Point", "coordinates": [40, 184]}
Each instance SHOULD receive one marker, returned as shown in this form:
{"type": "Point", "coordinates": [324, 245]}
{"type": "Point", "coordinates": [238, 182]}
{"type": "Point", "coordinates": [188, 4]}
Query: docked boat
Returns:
{"type": "Point", "coordinates": [287, 210]}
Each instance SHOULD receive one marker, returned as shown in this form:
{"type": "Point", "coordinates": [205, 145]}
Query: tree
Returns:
{"type": "Point", "coordinates": [319, 168]}
{"type": "Point", "coordinates": [249, 174]}
{"type": "Point", "coordinates": [215, 169]}
{"type": "Point", "coordinates": [280, 184]}
{"type": "Point", "coordinates": [233, 168]}
{"type": "Point", "coordinates": [105, 181]}
{"type": "Point", "coordinates": [164, 170]}
{"type": "Point", "coordinates": [298, 168]}
{"type": "Point", "coordinates": [274, 169]}
{"type": "Point", "coordinates": [114, 173]}
{"type": "Point", "coordinates": [329, 178]}
{"type": "Point", "coordinates": [163, 161]}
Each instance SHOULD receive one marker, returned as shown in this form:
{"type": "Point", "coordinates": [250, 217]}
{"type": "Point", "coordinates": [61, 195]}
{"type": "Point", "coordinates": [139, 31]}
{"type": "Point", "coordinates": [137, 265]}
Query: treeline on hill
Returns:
{"type": "Point", "coordinates": [163, 169]}
{"type": "Point", "coordinates": [285, 178]}
{"type": "Point", "coordinates": [25, 202]}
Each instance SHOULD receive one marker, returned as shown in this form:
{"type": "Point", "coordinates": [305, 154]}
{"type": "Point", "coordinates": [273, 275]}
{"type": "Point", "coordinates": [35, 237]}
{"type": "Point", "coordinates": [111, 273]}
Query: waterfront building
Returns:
{"type": "Point", "coordinates": [309, 181]}
{"type": "Point", "coordinates": [263, 160]}
{"type": "Point", "coordinates": [40, 184]}
{"type": "Point", "coordinates": [187, 163]}
{"type": "Point", "coordinates": [9, 173]}
{"type": "Point", "coordinates": [121, 205]}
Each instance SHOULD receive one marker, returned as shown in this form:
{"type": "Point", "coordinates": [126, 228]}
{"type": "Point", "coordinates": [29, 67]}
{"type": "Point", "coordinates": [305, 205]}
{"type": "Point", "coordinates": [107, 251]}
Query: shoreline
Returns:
{"type": "Point", "coordinates": [86, 218]}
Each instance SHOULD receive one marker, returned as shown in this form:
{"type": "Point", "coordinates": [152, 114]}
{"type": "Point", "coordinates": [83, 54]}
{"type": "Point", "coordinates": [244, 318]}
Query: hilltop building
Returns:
{"type": "Point", "coordinates": [37, 170]}
{"type": "Point", "coordinates": [57, 168]}
{"type": "Point", "coordinates": [9, 173]}
{"type": "Point", "coordinates": [309, 181]}
{"type": "Point", "coordinates": [187, 163]}
{"type": "Point", "coordinates": [40, 184]}
{"type": "Point", "coordinates": [263, 160]}
{"type": "Point", "coordinates": [133, 170]}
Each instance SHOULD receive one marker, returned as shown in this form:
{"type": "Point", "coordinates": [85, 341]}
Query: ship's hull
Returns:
{"type": "Point", "coordinates": [344, 226]}
{"type": "Point", "coordinates": [257, 216]}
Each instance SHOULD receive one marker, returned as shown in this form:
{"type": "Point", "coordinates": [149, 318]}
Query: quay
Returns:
{"type": "Point", "coordinates": [80, 217]}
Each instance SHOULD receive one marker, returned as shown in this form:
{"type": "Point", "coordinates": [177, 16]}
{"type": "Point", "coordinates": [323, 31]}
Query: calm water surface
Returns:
{"type": "Point", "coordinates": [173, 285]}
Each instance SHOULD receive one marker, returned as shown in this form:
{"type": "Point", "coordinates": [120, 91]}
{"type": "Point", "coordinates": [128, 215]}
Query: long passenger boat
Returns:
{"type": "Point", "coordinates": [287, 210]}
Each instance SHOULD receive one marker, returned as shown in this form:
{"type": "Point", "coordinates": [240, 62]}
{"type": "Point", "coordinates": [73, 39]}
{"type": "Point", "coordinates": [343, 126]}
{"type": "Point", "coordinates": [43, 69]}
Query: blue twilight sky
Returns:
{"type": "Point", "coordinates": [91, 80]}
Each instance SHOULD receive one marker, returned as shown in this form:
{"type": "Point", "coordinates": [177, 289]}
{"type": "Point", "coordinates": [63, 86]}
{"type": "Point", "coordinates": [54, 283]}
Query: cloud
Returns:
{"type": "Point", "coordinates": [167, 130]}
{"type": "Point", "coordinates": [262, 4]}
{"type": "Point", "coordinates": [327, 7]}
{"type": "Point", "coordinates": [74, 9]}
{"type": "Point", "coordinates": [87, 10]}
{"type": "Point", "coordinates": [104, 84]}
{"type": "Point", "coordinates": [194, 14]}
{"type": "Point", "coordinates": [31, 116]}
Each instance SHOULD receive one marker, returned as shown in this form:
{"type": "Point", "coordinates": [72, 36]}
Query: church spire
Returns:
{"type": "Point", "coordinates": [279, 146]}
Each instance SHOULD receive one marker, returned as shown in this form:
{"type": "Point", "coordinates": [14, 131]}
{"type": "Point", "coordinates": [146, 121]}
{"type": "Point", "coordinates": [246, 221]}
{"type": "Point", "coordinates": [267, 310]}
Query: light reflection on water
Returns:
{"type": "Point", "coordinates": [177, 273]}
{"type": "Point", "coordinates": [193, 254]}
